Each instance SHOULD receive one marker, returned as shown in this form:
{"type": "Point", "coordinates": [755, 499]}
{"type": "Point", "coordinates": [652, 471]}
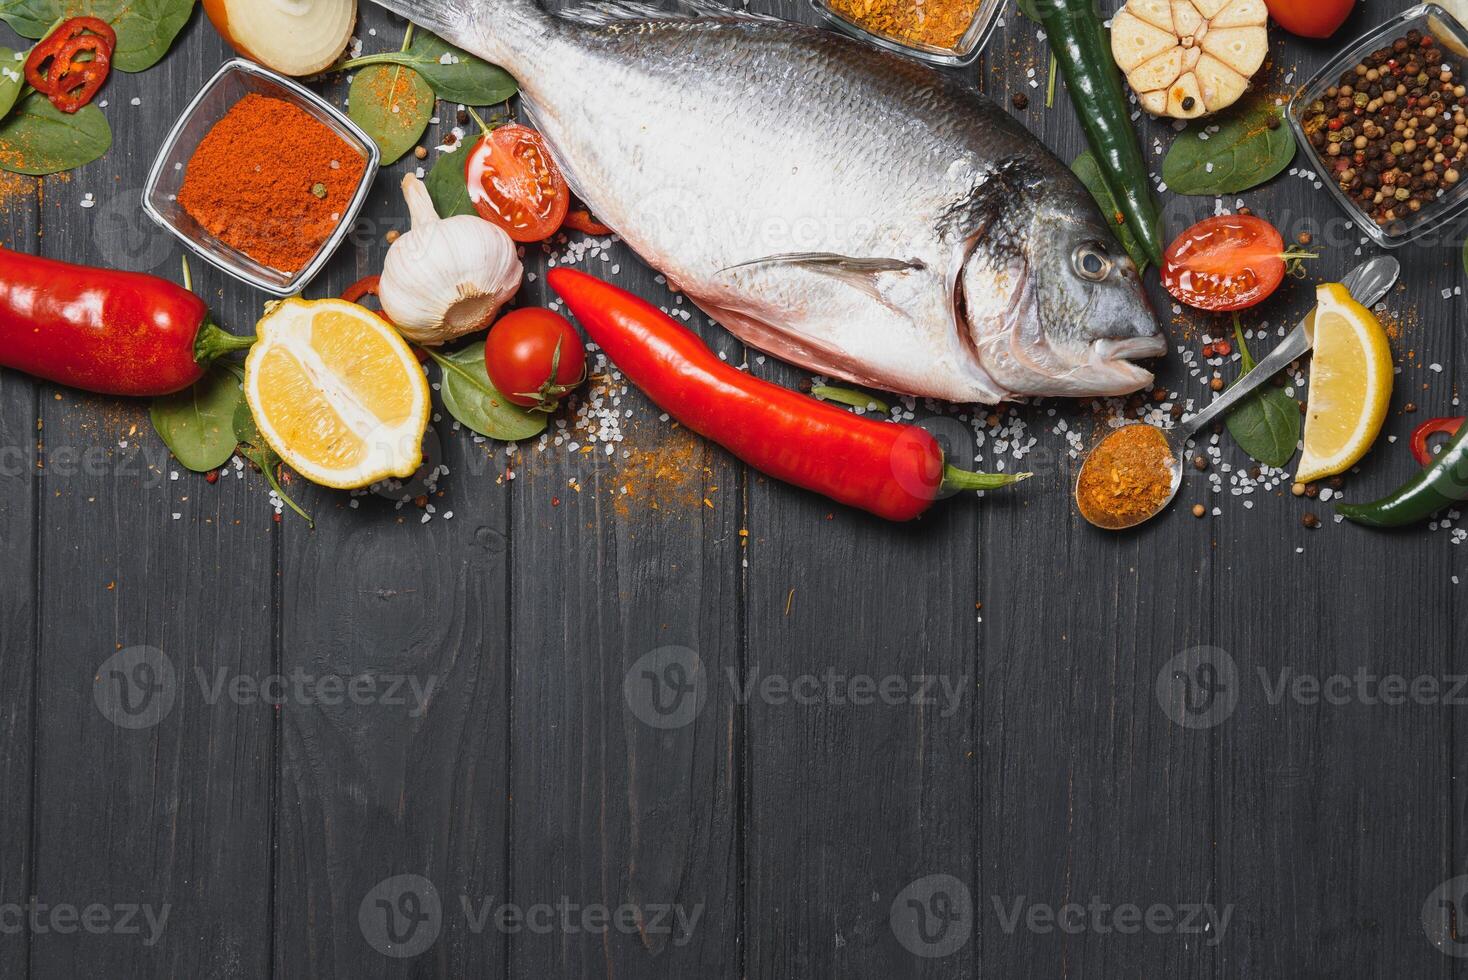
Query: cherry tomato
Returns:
{"type": "Point", "coordinates": [515, 183]}
{"type": "Point", "coordinates": [1227, 262]}
{"type": "Point", "coordinates": [1310, 18]}
{"type": "Point", "coordinates": [535, 358]}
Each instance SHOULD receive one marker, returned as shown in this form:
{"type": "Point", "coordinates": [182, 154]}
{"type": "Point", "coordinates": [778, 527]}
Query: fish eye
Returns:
{"type": "Point", "coordinates": [1091, 261]}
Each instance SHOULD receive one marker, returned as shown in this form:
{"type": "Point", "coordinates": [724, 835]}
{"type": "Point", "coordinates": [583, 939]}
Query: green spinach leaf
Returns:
{"type": "Point", "coordinates": [1247, 150]}
{"type": "Point", "coordinates": [38, 139]}
{"type": "Point", "coordinates": [454, 75]}
{"type": "Point", "coordinates": [1266, 425]}
{"type": "Point", "coordinates": [198, 423]}
{"type": "Point", "coordinates": [471, 398]}
{"type": "Point", "coordinates": [146, 29]}
{"type": "Point", "coordinates": [1089, 172]}
{"type": "Point", "coordinates": [393, 105]}
{"type": "Point", "coordinates": [12, 80]}
{"type": "Point", "coordinates": [252, 446]}
{"type": "Point", "coordinates": [449, 187]}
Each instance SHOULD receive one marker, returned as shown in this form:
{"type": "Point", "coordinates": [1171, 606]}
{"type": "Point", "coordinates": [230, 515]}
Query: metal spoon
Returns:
{"type": "Point", "coordinates": [1367, 284]}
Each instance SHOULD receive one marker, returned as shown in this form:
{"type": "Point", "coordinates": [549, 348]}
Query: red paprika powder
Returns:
{"type": "Point", "coordinates": [272, 181]}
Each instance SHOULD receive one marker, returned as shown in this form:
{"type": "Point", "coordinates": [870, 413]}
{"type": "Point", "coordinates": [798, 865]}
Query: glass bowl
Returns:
{"type": "Point", "coordinates": [232, 82]}
{"type": "Point", "coordinates": [970, 46]}
{"type": "Point", "coordinates": [1451, 36]}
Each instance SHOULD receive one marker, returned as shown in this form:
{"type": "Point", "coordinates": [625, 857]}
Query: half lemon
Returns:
{"type": "Point", "coordinates": [337, 393]}
{"type": "Point", "coordinates": [1350, 385]}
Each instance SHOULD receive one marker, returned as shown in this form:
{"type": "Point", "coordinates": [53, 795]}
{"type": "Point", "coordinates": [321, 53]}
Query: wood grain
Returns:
{"type": "Point", "coordinates": [19, 224]}
{"type": "Point", "coordinates": [549, 607]}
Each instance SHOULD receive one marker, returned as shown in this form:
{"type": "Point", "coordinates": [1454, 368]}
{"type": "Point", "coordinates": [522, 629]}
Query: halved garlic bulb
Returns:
{"type": "Point", "coordinates": [1187, 58]}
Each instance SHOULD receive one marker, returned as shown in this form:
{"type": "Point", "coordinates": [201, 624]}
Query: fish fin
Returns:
{"type": "Point", "coordinates": [860, 273]}
{"type": "Point", "coordinates": [833, 264]}
{"type": "Point", "coordinates": [604, 12]}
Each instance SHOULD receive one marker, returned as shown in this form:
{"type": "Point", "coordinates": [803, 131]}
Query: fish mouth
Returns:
{"type": "Point", "coordinates": [1129, 348]}
{"type": "Point", "coordinates": [1109, 369]}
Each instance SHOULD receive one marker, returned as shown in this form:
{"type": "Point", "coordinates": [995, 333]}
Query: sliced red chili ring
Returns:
{"type": "Point", "coordinates": [1425, 431]}
{"type": "Point", "coordinates": [580, 219]}
{"type": "Point", "coordinates": [53, 68]}
{"type": "Point", "coordinates": [361, 288]}
{"type": "Point", "coordinates": [79, 81]}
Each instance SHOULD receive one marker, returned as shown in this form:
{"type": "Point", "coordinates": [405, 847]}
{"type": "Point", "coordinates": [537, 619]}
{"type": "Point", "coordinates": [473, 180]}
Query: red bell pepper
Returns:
{"type": "Point", "coordinates": [893, 471]}
{"type": "Point", "coordinates": [114, 333]}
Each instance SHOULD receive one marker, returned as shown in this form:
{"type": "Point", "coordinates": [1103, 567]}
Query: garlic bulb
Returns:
{"type": "Point", "coordinates": [448, 276]}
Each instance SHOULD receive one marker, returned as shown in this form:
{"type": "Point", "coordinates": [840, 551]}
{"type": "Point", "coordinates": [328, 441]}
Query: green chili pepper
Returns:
{"type": "Point", "coordinates": [1084, 55]}
{"type": "Point", "coordinates": [1444, 482]}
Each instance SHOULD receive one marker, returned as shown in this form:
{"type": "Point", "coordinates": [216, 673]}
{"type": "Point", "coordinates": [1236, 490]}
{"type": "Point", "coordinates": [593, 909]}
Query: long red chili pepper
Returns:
{"type": "Point", "coordinates": [1428, 429]}
{"type": "Point", "coordinates": [893, 471]}
{"type": "Point", "coordinates": [115, 333]}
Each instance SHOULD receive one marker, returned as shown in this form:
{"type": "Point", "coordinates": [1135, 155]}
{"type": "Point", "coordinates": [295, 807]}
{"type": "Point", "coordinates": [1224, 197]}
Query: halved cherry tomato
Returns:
{"type": "Point", "coordinates": [515, 183]}
{"type": "Point", "coordinates": [1425, 431]}
{"type": "Point", "coordinates": [535, 358]}
{"type": "Point", "coordinates": [1226, 262]}
{"type": "Point", "coordinates": [54, 68]}
{"type": "Point", "coordinates": [1310, 18]}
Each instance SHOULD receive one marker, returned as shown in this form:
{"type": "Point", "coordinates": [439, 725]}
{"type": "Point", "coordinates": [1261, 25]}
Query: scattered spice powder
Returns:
{"type": "Point", "coordinates": [937, 23]}
{"type": "Point", "coordinates": [272, 181]}
{"type": "Point", "coordinates": [1127, 477]}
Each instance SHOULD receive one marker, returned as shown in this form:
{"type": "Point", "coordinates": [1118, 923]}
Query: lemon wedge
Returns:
{"type": "Point", "coordinates": [1350, 385]}
{"type": "Point", "coordinates": [337, 393]}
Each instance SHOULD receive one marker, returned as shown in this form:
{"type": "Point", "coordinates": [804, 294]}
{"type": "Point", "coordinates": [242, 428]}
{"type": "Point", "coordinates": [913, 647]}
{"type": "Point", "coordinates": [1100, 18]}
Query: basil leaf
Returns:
{"type": "Point", "coordinates": [454, 75]}
{"type": "Point", "coordinates": [1029, 8]}
{"type": "Point", "coordinates": [471, 398]}
{"type": "Point", "coordinates": [393, 105]}
{"type": "Point", "coordinates": [12, 80]}
{"type": "Point", "coordinates": [38, 138]}
{"type": "Point", "coordinates": [1089, 171]}
{"type": "Point", "coordinates": [1266, 425]}
{"type": "Point", "coordinates": [1244, 153]}
{"type": "Point", "coordinates": [449, 187]}
{"type": "Point", "coordinates": [197, 424]}
{"type": "Point", "coordinates": [146, 29]}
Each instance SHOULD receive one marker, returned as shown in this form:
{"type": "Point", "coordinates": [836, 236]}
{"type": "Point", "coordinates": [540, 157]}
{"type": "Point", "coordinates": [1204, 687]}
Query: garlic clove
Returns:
{"type": "Point", "coordinates": [447, 277]}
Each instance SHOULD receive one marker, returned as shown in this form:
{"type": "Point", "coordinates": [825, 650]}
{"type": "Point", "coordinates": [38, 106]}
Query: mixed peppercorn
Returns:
{"type": "Point", "coordinates": [1392, 129]}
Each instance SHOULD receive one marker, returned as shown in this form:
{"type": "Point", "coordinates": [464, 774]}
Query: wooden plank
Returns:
{"type": "Point", "coordinates": [1090, 794]}
{"type": "Point", "coordinates": [1336, 825]}
{"type": "Point", "coordinates": [151, 792]}
{"type": "Point", "coordinates": [412, 778]}
{"type": "Point", "coordinates": [625, 791]}
{"type": "Point", "coordinates": [19, 229]}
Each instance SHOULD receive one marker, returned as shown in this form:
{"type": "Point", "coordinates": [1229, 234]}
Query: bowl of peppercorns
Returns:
{"type": "Point", "coordinates": [1387, 125]}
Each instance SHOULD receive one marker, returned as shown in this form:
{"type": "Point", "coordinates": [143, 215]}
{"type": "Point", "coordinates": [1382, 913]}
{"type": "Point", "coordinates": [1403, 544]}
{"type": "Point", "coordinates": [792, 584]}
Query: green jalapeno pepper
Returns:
{"type": "Point", "coordinates": [1084, 56]}
{"type": "Point", "coordinates": [1444, 482]}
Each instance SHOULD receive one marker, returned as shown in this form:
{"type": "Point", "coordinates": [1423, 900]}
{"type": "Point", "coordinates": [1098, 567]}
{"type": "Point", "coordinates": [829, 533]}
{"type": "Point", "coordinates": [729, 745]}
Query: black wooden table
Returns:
{"type": "Point", "coordinates": [907, 748]}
